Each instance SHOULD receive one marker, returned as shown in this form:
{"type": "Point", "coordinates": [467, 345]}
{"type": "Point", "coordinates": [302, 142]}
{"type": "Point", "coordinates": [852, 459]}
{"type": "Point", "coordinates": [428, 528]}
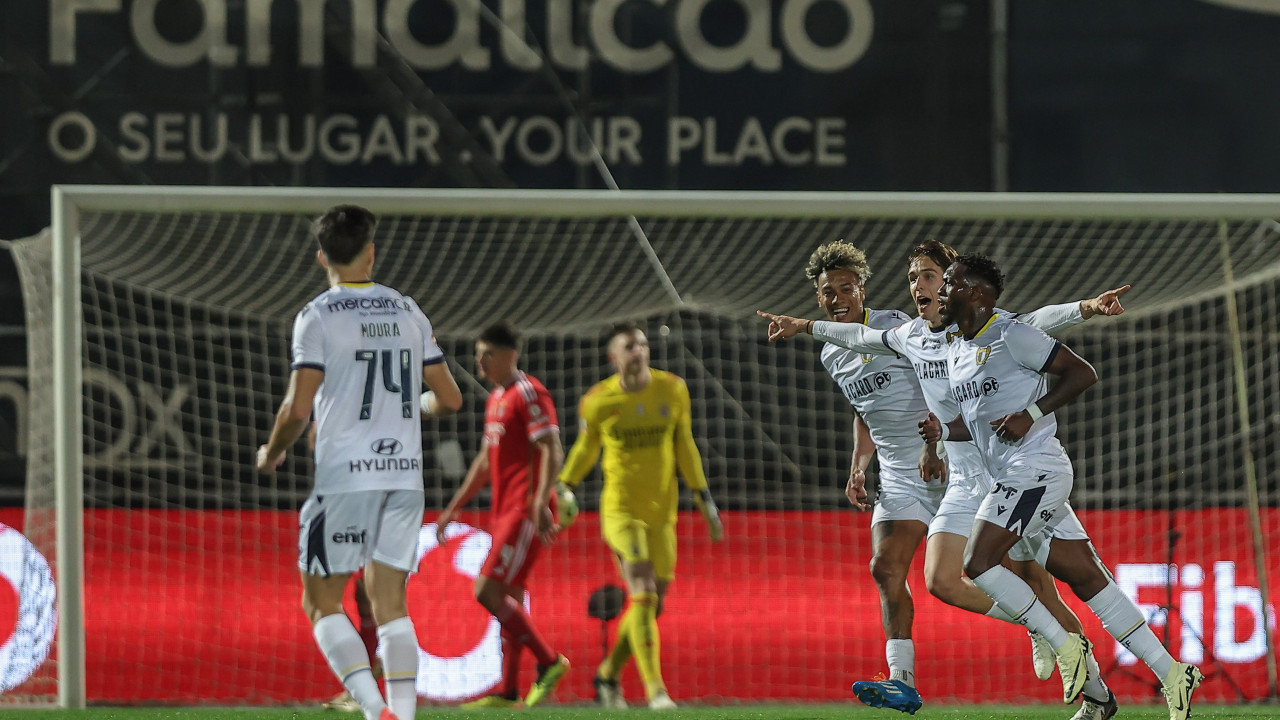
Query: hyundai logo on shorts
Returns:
{"type": "Point", "coordinates": [386, 446]}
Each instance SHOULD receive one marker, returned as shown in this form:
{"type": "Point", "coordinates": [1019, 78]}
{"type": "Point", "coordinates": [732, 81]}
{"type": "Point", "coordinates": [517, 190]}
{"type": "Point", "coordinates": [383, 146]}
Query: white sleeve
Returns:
{"type": "Point", "coordinates": [308, 339]}
{"type": "Point", "coordinates": [1030, 346]}
{"type": "Point", "coordinates": [896, 338]}
{"type": "Point", "coordinates": [431, 352]}
{"type": "Point", "coordinates": [854, 336]}
{"type": "Point", "coordinates": [1052, 318]}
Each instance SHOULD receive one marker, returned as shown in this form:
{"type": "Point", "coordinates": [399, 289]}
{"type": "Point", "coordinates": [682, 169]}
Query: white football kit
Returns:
{"type": "Point", "coordinates": [926, 349]}
{"type": "Point", "coordinates": [884, 391]}
{"type": "Point", "coordinates": [997, 373]}
{"type": "Point", "coordinates": [372, 343]}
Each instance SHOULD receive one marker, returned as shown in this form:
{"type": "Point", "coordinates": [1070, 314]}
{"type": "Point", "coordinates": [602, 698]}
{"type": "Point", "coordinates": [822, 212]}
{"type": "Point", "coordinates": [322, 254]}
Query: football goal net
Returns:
{"type": "Point", "coordinates": [159, 323]}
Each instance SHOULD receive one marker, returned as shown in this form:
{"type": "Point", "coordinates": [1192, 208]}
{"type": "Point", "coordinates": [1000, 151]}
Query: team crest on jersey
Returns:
{"type": "Point", "coordinates": [867, 357]}
{"type": "Point", "coordinates": [535, 411]}
{"type": "Point", "coordinates": [639, 409]}
{"type": "Point", "coordinates": [664, 411]}
{"type": "Point", "coordinates": [982, 355]}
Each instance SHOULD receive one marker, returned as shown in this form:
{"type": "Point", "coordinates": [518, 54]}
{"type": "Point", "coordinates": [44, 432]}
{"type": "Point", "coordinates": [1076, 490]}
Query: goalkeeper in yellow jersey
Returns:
{"type": "Point", "coordinates": [640, 418]}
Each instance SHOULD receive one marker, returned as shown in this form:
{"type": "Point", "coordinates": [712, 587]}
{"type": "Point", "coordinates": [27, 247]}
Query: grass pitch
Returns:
{"type": "Point", "coordinates": [724, 712]}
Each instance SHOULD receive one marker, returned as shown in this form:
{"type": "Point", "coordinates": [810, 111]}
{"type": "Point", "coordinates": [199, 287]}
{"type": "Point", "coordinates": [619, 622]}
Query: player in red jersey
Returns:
{"type": "Point", "coordinates": [520, 458]}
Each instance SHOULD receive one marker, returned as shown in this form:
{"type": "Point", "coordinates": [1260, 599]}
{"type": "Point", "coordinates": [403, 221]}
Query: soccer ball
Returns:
{"type": "Point", "coordinates": [567, 505]}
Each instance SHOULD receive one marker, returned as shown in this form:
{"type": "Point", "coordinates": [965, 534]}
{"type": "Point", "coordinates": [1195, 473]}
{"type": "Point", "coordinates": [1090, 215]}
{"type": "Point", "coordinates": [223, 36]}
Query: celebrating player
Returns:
{"type": "Point", "coordinates": [519, 457]}
{"type": "Point", "coordinates": [641, 417]}
{"type": "Point", "coordinates": [361, 353]}
{"type": "Point", "coordinates": [923, 342]}
{"type": "Point", "coordinates": [997, 369]}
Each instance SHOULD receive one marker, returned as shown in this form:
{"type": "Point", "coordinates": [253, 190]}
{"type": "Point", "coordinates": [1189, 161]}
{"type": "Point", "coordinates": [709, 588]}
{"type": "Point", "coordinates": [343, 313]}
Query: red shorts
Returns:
{"type": "Point", "coordinates": [514, 550]}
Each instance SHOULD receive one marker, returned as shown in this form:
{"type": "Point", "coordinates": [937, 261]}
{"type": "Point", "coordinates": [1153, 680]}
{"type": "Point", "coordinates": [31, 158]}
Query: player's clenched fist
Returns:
{"type": "Point", "coordinates": [856, 490]}
{"type": "Point", "coordinates": [931, 429]}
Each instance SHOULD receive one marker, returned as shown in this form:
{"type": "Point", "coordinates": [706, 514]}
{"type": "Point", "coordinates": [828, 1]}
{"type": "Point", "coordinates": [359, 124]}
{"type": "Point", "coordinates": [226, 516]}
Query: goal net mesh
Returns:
{"type": "Point", "coordinates": [187, 321]}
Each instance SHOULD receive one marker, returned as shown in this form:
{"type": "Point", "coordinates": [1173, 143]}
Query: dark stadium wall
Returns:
{"type": "Point", "coordinates": [1144, 96]}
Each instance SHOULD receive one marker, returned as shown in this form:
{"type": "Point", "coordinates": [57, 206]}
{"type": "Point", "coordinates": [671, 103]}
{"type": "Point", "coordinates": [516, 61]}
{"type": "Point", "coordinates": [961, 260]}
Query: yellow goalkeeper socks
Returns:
{"type": "Point", "coordinates": [643, 632]}
{"type": "Point", "coordinates": [611, 668]}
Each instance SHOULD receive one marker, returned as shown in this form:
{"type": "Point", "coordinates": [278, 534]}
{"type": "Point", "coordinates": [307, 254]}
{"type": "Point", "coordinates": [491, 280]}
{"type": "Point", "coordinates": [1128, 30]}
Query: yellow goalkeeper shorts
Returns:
{"type": "Point", "coordinates": [638, 541]}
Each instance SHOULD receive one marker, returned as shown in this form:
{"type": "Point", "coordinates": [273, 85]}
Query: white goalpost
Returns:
{"type": "Point", "coordinates": [159, 321]}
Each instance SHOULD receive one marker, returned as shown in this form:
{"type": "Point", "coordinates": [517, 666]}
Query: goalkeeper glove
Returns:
{"type": "Point", "coordinates": [707, 506]}
{"type": "Point", "coordinates": [567, 504]}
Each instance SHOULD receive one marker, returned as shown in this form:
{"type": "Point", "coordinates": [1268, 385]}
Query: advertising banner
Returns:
{"type": "Point", "coordinates": [202, 607]}
{"type": "Point", "coordinates": [725, 94]}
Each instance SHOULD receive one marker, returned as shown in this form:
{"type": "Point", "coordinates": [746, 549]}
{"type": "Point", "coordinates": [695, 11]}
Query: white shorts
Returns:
{"type": "Point", "coordinates": [341, 533]}
{"type": "Point", "coordinates": [967, 486]}
{"type": "Point", "coordinates": [1026, 500]}
{"type": "Point", "coordinates": [906, 498]}
{"type": "Point", "coordinates": [1036, 547]}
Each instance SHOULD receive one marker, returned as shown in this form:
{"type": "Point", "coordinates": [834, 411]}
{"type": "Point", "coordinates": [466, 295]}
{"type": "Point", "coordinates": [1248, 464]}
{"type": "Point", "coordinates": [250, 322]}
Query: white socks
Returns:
{"type": "Point", "coordinates": [342, 647]}
{"type": "Point", "coordinates": [998, 614]}
{"type": "Point", "coordinates": [1125, 622]}
{"type": "Point", "coordinates": [901, 655]}
{"type": "Point", "coordinates": [398, 644]}
{"type": "Point", "coordinates": [1015, 597]}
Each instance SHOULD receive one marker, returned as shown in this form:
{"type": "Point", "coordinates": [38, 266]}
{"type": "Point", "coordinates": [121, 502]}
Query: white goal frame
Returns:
{"type": "Point", "coordinates": [68, 201]}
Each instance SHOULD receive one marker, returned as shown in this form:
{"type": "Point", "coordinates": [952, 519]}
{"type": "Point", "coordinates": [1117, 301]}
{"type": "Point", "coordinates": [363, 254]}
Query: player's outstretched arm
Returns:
{"type": "Point", "coordinates": [1053, 318]}
{"type": "Point", "coordinates": [854, 336]}
{"type": "Point", "coordinates": [442, 396]}
{"type": "Point", "coordinates": [291, 419]}
{"type": "Point", "coordinates": [1108, 303]}
{"type": "Point", "coordinates": [782, 327]}
{"type": "Point", "coordinates": [477, 477]}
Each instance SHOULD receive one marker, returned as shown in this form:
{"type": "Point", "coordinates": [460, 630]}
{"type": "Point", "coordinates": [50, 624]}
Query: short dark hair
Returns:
{"type": "Point", "coordinates": [620, 328]}
{"type": "Point", "coordinates": [837, 255]}
{"type": "Point", "coordinates": [940, 253]}
{"type": "Point", "coordinates": [985, 269]}
{"type": "Point", "coordinates": [501, 335]}
{"type": "Point", "coordinates": [343, 232]}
